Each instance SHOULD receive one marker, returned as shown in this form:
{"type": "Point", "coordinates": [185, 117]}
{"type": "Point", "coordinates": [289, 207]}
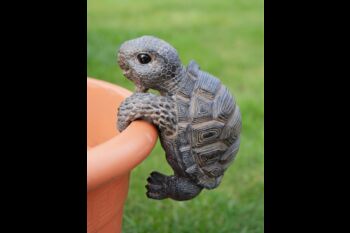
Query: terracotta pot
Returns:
{"type": "Point", "coordinates": [111, 155]}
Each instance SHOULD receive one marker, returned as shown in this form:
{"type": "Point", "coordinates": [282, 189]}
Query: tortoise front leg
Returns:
{"type": "Point", "coordinates": [158, 110]}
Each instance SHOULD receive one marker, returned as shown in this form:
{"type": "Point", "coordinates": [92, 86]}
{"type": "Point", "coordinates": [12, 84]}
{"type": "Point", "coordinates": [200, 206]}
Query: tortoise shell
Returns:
{"type": "Point", "coordinates": [209, 125]}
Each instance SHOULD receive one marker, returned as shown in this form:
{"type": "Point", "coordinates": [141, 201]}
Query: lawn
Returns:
{"type": "Point", "coordinates": [226, 39]}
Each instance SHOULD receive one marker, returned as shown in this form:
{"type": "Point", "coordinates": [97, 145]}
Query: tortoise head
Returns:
{"type": "Point", "coordinates": [151, 63]}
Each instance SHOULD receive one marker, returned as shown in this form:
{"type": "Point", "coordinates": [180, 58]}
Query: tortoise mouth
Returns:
{"type": "Point", "coordinates": [128, 73]}
{"type": "Point", "coordinates": [123, 65]}
{"type": "Point", "coordinates": [126, 70]}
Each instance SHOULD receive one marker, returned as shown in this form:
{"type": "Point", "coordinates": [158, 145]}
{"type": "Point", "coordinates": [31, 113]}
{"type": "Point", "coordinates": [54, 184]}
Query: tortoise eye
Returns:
{"type": "Point", "coordinates": [144, 58]}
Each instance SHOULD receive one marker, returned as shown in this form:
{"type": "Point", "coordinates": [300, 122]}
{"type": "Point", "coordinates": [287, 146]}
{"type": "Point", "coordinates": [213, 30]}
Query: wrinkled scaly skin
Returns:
{"type": "Point", "coordinates": [197, 118]}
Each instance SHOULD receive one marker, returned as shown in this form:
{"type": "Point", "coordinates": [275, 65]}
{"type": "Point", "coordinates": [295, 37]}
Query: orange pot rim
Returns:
{"type": "Point", "coordinates": [120, 154]}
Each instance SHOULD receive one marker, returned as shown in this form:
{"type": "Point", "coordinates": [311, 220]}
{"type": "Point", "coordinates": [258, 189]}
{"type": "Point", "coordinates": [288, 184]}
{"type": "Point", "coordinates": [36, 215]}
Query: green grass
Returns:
{"type": "Point", "coordinates": [226, 39]}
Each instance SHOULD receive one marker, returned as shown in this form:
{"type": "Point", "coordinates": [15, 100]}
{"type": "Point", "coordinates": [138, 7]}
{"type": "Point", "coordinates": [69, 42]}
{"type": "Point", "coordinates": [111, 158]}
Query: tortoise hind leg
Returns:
{"type": "Point", "coordinates": [175, 187]}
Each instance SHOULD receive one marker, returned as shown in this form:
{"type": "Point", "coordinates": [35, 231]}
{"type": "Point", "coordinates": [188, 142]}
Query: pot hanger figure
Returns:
{"type": "Point", "coordinates": [198, 120]}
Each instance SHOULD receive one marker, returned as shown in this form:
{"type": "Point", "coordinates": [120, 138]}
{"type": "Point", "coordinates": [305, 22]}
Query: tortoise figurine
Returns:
{"type": "Point", "coordinates": [198, 120]}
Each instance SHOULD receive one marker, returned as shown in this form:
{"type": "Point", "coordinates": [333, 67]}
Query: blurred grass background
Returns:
{"type": "Point", "coordinates": [226, 39]}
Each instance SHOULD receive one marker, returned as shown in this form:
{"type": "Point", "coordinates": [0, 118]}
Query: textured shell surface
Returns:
{"type": "Point", "coordinates": [208, 129]}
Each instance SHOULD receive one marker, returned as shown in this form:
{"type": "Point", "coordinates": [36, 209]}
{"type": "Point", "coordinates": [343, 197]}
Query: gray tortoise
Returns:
{"type": "Point", "coordinates": [198, 120]}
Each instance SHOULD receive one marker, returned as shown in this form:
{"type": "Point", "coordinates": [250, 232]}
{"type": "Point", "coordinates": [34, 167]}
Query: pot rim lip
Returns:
{"type": "Point", "coordinates": [114, 157]}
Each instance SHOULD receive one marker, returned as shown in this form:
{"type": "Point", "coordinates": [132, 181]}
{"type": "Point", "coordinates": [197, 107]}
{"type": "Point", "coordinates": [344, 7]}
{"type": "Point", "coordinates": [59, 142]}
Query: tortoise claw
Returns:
{"type": "Point", "coordinates": [156, 187]}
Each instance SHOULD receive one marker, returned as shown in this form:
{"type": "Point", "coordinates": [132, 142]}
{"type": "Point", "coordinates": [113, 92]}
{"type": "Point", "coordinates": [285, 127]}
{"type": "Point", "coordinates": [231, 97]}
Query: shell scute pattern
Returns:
{"type": "Point", "coordinates": [207, 85]}
{"type": "Point", "coordinates": [214, 124]}
{"type": "Point", "coordinates": [206, 133]}
{"type": "Point", "coordinates": [182, 110]}
{"type": "Point", "coordinates": [200, 109]}
{"type": "Point", "coordinates": [187, 89]}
